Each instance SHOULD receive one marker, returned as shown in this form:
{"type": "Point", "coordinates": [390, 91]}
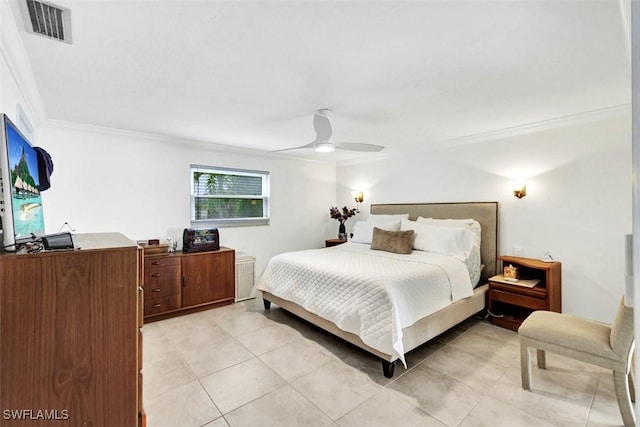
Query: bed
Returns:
{"type": "Point", "coordinates": [330, 287]}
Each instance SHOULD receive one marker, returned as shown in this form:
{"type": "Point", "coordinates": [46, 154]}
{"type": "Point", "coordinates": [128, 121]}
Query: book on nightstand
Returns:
{"type": "Point", "coordinates": [526, 283]}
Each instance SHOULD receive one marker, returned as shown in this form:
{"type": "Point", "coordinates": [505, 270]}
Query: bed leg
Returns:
{"type": "Point", "coordinates": [267, 304]}
{"type": "Point", "coordinates": [388, 368]}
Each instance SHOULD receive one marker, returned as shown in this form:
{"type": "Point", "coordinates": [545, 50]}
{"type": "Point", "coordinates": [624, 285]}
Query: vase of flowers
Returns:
{"type": "Point", "coordinates": [342, 216]}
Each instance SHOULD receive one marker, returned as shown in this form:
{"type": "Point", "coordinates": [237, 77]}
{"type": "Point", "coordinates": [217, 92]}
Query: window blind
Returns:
{"type": "Point", "coordinates": [221, 196]}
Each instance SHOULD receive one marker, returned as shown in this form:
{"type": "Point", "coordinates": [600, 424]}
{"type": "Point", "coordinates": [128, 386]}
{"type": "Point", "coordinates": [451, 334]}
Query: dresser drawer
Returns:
{"type": "Point", "coordinates": [159, 290]}
{"type": "Point", "coordinates": [166, 278]}
{"type": "Point", "coordinates": [160, 261]}
{"type": "Point", "coordinates": [517, 299]}
{"type": "Point", "coordinates": [160, 305]}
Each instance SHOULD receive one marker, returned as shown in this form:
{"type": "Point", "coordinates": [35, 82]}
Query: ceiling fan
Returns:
{"type": "Point", "coordinates": [323, 142]}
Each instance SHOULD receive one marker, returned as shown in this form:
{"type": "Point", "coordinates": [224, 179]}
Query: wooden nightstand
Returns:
{"type": "Point", "coordinates": [333, 242]}
{"type": "Point", "coordinates": [510, 304]}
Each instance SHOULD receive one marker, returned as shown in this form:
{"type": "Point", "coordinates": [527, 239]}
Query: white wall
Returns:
{"type": "Point", "coordinates": [578, 203]}
{"type": "Point", "coordinates": [114, 181]}
{"type": "Point", "coordinates": [117, 181]}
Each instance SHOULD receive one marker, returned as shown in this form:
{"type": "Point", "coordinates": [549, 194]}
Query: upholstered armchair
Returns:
{"type": "Point", "coordinates": [608, 346]}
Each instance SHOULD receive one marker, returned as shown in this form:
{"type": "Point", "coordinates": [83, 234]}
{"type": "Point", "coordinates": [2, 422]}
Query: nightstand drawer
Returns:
{"type": "Point", "coordinates": [517, 299]}
{"type": "Point", "coordinates": [160, 305]}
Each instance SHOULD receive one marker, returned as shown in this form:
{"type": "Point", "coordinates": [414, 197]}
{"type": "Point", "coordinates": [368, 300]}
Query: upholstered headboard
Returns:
{"type": "Point", "coordinates": [486, 213]}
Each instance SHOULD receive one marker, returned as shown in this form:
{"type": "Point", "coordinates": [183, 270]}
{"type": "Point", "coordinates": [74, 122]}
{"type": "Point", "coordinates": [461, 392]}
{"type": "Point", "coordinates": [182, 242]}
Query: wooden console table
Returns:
{"type": "Point", "coordinates": [178, 283]}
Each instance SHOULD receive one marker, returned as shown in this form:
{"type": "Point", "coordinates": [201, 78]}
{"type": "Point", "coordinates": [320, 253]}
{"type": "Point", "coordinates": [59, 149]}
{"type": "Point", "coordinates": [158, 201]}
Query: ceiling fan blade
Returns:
{"type": "Point", "coordinates": [323, 143]}
{"type": "Point", "coordinates": [322, 125]}
{"type": "Point", "coordinates": [309, 145]}
{"type": "Point", "coordinates": [354, 146]}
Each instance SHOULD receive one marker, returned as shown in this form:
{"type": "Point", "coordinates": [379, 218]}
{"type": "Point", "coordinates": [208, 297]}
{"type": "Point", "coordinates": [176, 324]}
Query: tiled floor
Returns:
{"type": "Point", "coordinates": [242, 366]}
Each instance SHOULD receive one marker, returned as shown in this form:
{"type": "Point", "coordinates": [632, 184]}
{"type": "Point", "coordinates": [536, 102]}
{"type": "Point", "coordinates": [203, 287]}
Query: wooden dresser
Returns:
{"type": "Point", "coordinates": [70, 339]}
{"type": "Point", "coordinates": [178, 283]}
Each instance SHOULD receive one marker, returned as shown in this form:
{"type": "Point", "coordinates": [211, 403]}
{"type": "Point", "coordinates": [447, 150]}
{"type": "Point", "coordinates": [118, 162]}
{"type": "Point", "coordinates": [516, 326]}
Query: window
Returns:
{"type": "Point", "coordinates": [222, 197]}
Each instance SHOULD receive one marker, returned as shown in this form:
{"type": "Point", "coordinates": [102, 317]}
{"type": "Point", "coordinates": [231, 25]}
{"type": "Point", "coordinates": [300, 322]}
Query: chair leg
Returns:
{"type": "Point", "coordinates": [621, 383]}
{"type": "Point", "coordinates": [525, 366]}
{"type": "Point", "coordinates": [542, 359]}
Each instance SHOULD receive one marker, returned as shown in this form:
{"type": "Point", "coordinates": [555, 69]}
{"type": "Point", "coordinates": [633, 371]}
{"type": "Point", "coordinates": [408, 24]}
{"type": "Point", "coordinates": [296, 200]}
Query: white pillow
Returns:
{"type": "Point", "coordinates": [363, 231]}
{"type": "Point", "coordinates": [382, 219]}
{"type": "Point", "coordinates": [470, 223]}
{"type": "Point", "coordinates": [453, 241]}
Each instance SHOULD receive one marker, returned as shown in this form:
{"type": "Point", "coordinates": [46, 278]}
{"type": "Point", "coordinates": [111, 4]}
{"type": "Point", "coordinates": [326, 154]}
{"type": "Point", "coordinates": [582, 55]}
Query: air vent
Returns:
{"type": "Point", "coordinates": [48, 20]}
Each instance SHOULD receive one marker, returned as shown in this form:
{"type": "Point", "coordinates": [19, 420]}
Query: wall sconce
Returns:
{"type": "Point", "coordinates": [521, 192]}
{"type": "Point", "coordinates": [358, 197]}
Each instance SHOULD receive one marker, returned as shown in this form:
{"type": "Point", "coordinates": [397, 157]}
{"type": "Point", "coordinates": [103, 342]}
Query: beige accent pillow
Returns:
{"type": "Point", "coordinates": [399, 242]}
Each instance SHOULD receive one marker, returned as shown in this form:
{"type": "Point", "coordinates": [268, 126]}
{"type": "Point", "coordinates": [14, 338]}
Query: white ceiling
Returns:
{"type": "Point", "coordinates": [394, 73]}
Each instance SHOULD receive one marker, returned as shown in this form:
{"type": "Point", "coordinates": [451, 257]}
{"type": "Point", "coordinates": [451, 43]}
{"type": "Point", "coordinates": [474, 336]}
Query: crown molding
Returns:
{"type": "Point", "coordinates": [510, 132]}
{"type": "Point", "coordinates": [173, 140]}
{"type": "Point", "coordinates": [543, 125]}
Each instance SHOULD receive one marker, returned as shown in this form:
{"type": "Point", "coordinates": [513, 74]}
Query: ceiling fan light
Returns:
{"type": "Point", "coordinates": [324, 147]}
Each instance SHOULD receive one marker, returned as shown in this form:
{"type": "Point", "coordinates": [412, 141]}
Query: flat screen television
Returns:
{"type": "Point", "coordinates": [22, 218]}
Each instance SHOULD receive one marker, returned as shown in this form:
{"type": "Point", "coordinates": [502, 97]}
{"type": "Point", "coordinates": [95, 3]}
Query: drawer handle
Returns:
{"type": "Point", "coordinates": [155, 263]}
{"type": "Point", "coordinates": [155, 275]}
{"type": "Point", "coordinates": [156, 305]}
{"type": "Point", "coordinates": [155, 290]}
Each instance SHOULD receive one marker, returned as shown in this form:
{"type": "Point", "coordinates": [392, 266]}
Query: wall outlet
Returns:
{"type": "Point", "coordinates": [518, 251]}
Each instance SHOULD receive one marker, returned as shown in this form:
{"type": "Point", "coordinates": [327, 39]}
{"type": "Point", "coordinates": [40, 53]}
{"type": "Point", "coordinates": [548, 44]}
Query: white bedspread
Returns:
{"type": "Point", "coordinates": [373, 294]}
